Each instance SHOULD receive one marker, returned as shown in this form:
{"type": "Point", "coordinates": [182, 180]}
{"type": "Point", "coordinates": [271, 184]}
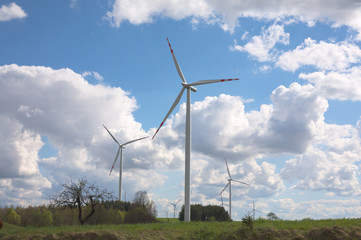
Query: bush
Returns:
{"type": "Point", "coordinates": [138, 215]}
{"type": "Point", "coordinates": [248, 221]}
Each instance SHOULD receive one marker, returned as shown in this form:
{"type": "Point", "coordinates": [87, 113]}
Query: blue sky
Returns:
{"type": "Point", "coordinates": [290, 127]}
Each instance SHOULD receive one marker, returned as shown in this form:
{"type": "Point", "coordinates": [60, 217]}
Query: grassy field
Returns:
{"type": "Point", "coordinates": [263, 229]}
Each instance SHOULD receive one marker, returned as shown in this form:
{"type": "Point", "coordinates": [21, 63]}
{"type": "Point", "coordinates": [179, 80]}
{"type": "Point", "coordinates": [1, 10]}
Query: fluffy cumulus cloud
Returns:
{"type": "Point", "coordinates": [226, 13]}
{"type": "Point", "coordinates": [210, 177]}
{"type": "Point", "coordinates": [44, 106]}
{"type": "Point", "coordinates": [331, 164]}
{"type": "Point", "coordinates": [293, 124]}
{"type": "Point", "coordinates": [342, 85]}
{"type": "Point", "coordinates": [322, 55]}
{"type": "Point", "coordinates": [11, 11]}
{"type": "Point", "coordinates": [260, 47]}
{"type": "Point", "coordinates": [287, 208]}
{"type": "Point", "coordinates": [60, 105]}
{"type": "Point", "coordinates": [140, 11]}
{"type": "Point", "coordinates": [222, 128]}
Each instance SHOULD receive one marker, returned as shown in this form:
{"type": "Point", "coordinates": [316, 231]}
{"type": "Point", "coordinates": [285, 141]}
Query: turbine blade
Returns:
{"type": "Point", "coordinates": [116, 157]}
{"type": "Point", "coordinates": [229, 174]}
{"type": "Point", "coordinates": [111, 134]}
{"type": "Point", "coordinates": [176, 63]}
{"type": "Point", "coordinates": [170, 110]}
{"type": "Point", "coordinates": [224, 189]}
{"type": "Point", "coordinates": [133, 141]}
{"type": "Point", "coordinates": [240, 182]}
{"type": "Point", "coordinates": [211, 81]}
{"type": "Point", "coordinates": [177, 202]}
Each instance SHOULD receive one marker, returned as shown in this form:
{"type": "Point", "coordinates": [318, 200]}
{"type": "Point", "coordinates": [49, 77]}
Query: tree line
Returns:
{"type": "Point", "coordinates": [206, 213]}
{"type": "Point", "coordinates": [82, 202]}
{"type": "Point", "coordinates": [108, 212]}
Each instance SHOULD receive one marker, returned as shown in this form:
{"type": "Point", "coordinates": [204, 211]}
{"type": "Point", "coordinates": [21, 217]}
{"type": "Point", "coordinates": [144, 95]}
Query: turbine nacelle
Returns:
{"type": "Point", "coordinates": [186, 85]}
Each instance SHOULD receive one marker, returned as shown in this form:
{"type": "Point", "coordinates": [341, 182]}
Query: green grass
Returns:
{"type": "Point", "coordinates": [175, 229]}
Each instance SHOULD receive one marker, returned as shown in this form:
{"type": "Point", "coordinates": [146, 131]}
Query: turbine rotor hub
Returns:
{"type": "Point", "coordinates": [193, 89]}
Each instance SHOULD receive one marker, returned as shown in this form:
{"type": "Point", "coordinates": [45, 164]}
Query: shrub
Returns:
{"type": "Point", "coordinates": [248, 221]}
{"type": "Point", "coordinates": [138, 215]}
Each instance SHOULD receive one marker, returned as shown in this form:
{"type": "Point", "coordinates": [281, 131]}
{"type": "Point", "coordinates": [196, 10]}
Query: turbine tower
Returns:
{"type": "Point", "coordinates": [120, 155]}
{"type": "Point", "coordinates": [229, 184]}
{"type": "Point", "coordinates": [189, 87]}
{"type": "Point", "coordinates": [175, 206]}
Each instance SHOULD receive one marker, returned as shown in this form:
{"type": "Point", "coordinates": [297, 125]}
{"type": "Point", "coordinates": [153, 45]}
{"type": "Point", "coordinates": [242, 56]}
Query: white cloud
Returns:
{"type": "Point", "coordinates": [322, 55]}
{"type": "Point", "coordinates": [223, 129]}
{"type": "Point", "coordinates": [11, 11]}
{"type": "Point", "coordinates": [226, 13]}
{"type": "Point", "coordinates": [330, 164]}
{"type": "Point", "coordinates": [260, 47]}
{"type": "Point", "coordinates": [140, 11]}
{"type": "Point", "coordinates": [61, 105]}
{"type": "Point", "coordinates": [287, 208]}
{"type": "Point", "coordinates": [342, 85]}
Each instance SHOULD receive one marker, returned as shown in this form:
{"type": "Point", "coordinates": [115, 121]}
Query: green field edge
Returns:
{"type": "Point", "coordinates": [180, 230]}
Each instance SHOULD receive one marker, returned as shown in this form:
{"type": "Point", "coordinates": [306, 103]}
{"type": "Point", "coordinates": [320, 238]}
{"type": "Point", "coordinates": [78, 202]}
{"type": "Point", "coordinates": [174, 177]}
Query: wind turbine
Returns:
{"type": "Point", "coordinates": [120, 155]}
{"type": "Point", "coordinates": [175, 206]}
{"type": "Point", "coordinates": [230, 179]}
{"type": "Point", "coordinates": [189, 87]}
{"type": "Point", "coordinates": [254, 211]}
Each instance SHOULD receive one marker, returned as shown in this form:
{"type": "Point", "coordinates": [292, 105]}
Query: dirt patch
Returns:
{"type": "Point", "coordinates": [334, 233]}
{"type": "Point", "coordinates": [326, 233]}
{"type": "Point", "coordinates": [91, 235]}
{"type": "Point", "coordinates": [329, 233]}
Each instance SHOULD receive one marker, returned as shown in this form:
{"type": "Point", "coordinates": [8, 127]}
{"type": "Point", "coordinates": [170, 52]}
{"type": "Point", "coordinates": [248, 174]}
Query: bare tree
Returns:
{"type": "Point", "coordinates": [80, 194]}
{"type": "Point", "coordinates": [142, 199]}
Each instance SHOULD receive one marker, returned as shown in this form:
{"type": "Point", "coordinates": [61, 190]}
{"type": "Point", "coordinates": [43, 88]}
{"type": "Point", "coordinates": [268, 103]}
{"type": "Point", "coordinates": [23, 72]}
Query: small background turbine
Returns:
{"type": "Point", "coordinates": [229, 184]}
{"type": "Point", "coordinates": [120, 155]}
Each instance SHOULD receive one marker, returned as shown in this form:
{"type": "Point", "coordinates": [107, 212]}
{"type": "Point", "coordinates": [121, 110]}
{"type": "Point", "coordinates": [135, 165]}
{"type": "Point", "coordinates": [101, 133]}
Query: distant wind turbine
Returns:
{"type": "Point", "coordinates": [120, 153]}
{"type": "Point", "coordinates": [253, 212]}
{"type": "Point", "coordinates": [175, 206]}
{"type": "Point", "coordinates": [166, 212]}
{"type": "Point", "coordinates": [230, 189]}
{"type": "Point", "coordinates": [189, 87]}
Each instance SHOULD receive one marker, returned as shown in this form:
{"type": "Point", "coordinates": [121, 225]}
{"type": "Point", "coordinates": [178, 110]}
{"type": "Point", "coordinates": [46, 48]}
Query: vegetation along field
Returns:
{"type": "Point", "coordinates": [174, 229]}
{"type": "Point", "coordinates": [76, 213]}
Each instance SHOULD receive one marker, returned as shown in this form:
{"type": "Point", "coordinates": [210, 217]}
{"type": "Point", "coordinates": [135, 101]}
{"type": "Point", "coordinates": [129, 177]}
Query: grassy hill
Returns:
{"type": "Point", "coordinates": [263, 229]}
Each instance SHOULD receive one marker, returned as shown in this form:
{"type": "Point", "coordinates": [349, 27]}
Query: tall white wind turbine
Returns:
{"type": "Point", "coordinates": [229, 184]}
{"type": "Point", "coordinates": [120, 155]}
{"type": "Point", "coordinates": [189, 87]}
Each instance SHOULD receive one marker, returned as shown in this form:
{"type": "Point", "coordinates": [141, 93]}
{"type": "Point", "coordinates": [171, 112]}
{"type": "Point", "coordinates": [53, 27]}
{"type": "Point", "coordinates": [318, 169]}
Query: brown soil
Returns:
{"type": "Point", "coordinates": [326, 233]}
